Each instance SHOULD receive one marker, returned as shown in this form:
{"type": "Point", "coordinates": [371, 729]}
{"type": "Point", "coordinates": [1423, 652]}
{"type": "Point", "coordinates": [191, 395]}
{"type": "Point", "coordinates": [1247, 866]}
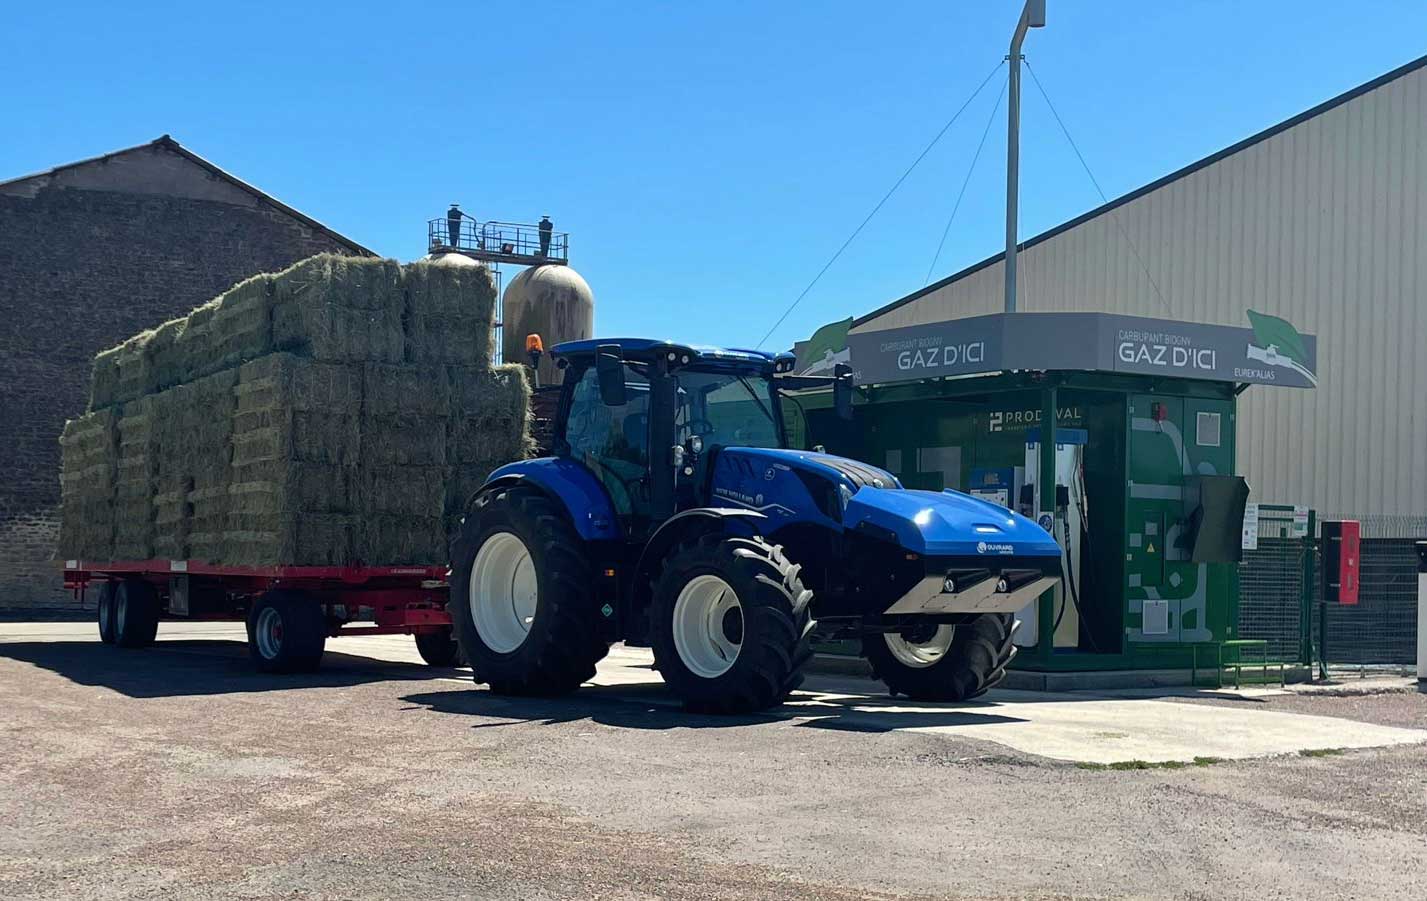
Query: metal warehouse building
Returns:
{"type": "Point", "coordinates": [1321, 220]}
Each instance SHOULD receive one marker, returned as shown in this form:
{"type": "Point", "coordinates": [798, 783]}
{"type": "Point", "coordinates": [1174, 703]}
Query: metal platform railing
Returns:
{"type": "Point", "coordinates": [499, 242]}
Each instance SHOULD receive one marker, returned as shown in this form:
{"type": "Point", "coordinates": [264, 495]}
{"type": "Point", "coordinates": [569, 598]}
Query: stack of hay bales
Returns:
{"type": "Point", "coordinates": [340, 411]}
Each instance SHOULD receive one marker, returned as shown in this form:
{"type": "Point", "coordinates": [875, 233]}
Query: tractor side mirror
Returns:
{"type": "Point", "coordinates": [842, 391]}
{"type": "Point", "coordinates": [610, 369]}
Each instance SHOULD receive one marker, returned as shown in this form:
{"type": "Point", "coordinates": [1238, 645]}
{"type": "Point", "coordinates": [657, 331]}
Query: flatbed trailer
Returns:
{"type": "Point", "coordinates": [290, 611]}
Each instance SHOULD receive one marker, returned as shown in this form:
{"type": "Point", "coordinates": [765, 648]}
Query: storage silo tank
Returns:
{"type": "Point", "coordinates": [551, 301]}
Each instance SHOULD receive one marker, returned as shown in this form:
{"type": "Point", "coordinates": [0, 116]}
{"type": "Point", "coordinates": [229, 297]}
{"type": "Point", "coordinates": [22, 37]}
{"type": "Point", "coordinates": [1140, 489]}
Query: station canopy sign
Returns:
{"type": "Point", "coordinates": [1269, 352]}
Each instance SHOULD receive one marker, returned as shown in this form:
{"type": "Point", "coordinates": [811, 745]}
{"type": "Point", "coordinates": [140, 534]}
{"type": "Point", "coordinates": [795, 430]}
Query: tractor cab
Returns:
{"type": "Point", "coordinates": [647, 418]}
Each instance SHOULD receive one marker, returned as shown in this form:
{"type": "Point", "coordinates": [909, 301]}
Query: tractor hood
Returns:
{"type": "Point", "coordinates": [946, 523]}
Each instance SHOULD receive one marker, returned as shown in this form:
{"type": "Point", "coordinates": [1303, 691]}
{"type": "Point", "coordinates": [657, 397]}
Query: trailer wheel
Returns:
{"type": "Point", "coordinates": [136, 614]}
{"type": "Point", "coordinates": [287, 633]}
{"type": "Point", "coordinates": [944, 662]}
{"type": "Point", "coordinates": [521, 596]}
{"type": "Point", "coordinates": [731, 624]}
{"type": "Point", "coordinates": [104, 612]}
{"type": "Point", "coordinates": [439, 648]}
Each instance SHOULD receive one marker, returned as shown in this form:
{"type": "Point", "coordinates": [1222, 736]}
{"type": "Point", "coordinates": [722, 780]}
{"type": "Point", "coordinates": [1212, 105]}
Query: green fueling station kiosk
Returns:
{"type": "Point", "coordinates": [1116, 433]}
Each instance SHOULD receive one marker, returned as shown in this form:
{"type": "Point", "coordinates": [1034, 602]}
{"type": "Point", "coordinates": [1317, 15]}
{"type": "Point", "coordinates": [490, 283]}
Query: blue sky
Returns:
{"type": "Point", "coordinates": [707, 158]}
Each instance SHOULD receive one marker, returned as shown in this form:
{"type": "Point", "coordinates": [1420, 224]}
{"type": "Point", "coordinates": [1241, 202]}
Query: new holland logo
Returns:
{"type": "Point", "coordinates": [984, 548]}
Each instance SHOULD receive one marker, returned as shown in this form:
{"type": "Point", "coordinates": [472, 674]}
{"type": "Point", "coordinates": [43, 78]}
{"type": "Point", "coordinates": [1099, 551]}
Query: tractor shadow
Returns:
{"type": "Point", "coordinates": [175, 668]}
{"type": "Point", "coordinates": [648, 705]}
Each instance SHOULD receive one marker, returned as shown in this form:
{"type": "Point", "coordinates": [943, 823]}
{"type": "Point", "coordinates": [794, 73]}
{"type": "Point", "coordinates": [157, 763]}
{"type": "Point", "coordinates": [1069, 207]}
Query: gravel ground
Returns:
{"type": "Point", "coordinates": [179, 772]}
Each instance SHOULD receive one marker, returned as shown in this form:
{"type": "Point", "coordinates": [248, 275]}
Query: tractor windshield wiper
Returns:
{"type": "Point", "coordinates": [756, 399]}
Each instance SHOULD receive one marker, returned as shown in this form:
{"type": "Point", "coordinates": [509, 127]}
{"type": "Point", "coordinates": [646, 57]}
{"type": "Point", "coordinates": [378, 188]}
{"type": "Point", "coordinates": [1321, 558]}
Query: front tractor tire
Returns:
{"type": "Point", "coordinates": [522, 598]}
{"type": "Point", "coordinates": [731, 624]}
{"type": "Point", "coordinates": [943, 662]}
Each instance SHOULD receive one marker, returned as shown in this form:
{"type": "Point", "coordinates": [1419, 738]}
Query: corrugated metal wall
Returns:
{"type": "Point", "coordinates": [1325, 224]}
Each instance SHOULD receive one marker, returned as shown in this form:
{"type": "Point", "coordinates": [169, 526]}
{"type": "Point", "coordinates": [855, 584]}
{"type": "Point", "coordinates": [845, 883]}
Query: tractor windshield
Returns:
{"type": "Point", "coordinates": [726, 409]}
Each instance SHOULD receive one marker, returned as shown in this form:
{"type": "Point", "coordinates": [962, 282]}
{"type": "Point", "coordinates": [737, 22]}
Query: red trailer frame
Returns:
{"type": "Point", "coordinates": [404, 600]}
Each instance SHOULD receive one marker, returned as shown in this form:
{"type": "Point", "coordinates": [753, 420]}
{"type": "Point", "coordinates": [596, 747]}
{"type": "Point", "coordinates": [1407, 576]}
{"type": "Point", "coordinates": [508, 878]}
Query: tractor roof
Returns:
{"type": "Point", "coordinates": [646, 349]}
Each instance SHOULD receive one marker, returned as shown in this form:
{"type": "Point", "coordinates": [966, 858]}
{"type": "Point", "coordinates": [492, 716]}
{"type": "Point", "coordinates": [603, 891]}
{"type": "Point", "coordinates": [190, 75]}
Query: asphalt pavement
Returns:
{"type": "Point", "coordinates": [178, 771]}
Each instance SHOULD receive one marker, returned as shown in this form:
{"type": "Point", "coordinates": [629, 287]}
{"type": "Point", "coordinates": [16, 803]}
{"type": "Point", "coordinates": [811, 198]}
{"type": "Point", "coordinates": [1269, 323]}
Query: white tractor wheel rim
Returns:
{"type": "Point", "coordinates": [268, 633]}
{"type": "Point", "coordinates": [504, 593]}
{"type": "Point", "coordinates": [921, 654]}
{"type": "Point", "coordinates": [708, 626]}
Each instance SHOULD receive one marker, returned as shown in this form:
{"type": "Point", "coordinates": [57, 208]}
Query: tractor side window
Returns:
{"type": "Point", "coordinates": [613, 442]}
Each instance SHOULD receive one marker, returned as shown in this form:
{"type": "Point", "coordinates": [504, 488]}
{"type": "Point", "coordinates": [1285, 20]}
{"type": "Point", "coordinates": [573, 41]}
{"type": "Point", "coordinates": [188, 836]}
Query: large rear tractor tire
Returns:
{"type": "Point", "coordinates": [731, 624]}
{"type": "Point", "coordinates": [944, 662]}
{"type": "Point", "coordinates": [136, 614]}
{"type": "Point", "coordinates": [522, 598]}
{"type": "Point", "coordinates": [287, 633]}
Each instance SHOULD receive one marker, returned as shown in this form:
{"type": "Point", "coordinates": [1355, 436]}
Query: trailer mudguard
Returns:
{"type": "Point", "coordinates": [573, 485]}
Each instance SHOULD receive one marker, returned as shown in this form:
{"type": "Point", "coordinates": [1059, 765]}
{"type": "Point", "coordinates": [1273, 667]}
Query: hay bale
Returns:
{"type": "Point", "coordinates": [134, 481]}
{"type": "Point", "coordinates": [413, 390]}
{"type": "Point", "coordinates": [450, 312]}
{"type": "Point", "coordinates": [343, 309]}
{"type": "Point", "coordinates": [193, 426]}
{"type": "Point", "coordinates": [193, 350]}
{"type": "Point", "coordinates": [242, 322]}
{"type": "Point", "coordinates": [295, 439]}
{"type": "Point", "coordinates": [289, 408]}
{"type": "Point", "coordinates": [166, 356]}
{"type": "Point", "coordinates": [88, 452]}
{"type": "Point", "coordinates": [297, 539]}
{"type": "Point", "coordinates": [121, 373]}
{"type": "Point", "coordinates": [402, 440]}
{"type": "Point", "coordinates": [208, 522]}
{"type": "Point", "coordinates": [408, 490]}
{"type": "Point", "coordinates": [397, 539]}
{"type": "Point", "coordinates": [292, 382]}
{"type": "Point", "coordinates": [489, 416]}
{"type": "Point", "coordinates": [104, 380]}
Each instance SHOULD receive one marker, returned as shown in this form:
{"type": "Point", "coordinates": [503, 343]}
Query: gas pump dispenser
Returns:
{"type": "Point", "coordinates": [1067, 524]}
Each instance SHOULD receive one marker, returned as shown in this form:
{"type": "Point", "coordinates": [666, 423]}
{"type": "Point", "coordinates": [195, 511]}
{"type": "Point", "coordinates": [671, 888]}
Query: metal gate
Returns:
{"type": "Point", "coordinates": [1276, 584]}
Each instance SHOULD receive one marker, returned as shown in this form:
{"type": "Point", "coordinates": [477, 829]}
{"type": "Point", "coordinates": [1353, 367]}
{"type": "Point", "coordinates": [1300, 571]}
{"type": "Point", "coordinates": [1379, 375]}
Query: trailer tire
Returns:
{"type": "Point", "coordinates": [731, 627]}
{"type": "Point", "coordinates": [104, 612]}
{"type": "Point", "coordinates": [439, 648]}
{"type": "Point", "coordinates": [136, 614]}
{"type": "Point", "coordinates": [287, 633]}
{"type": "Point", "coordinates": [551, 644]}
{"type": "Point", "coordinates": [972, 664]}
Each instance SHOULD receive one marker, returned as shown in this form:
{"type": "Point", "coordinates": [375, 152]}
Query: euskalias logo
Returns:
{"type": "Point", "coordinates": [1277, 343]}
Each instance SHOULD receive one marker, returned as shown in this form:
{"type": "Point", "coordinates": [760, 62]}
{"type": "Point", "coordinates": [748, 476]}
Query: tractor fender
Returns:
{"type": "Point", "coordinates": [681, 527]}
{"type": "Point", "coordinates": [571, 485]}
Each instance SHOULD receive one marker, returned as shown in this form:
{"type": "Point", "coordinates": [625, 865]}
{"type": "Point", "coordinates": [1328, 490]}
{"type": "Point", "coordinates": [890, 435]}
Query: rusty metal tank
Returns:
{"type": "Point", "coordinates": [551, 301]}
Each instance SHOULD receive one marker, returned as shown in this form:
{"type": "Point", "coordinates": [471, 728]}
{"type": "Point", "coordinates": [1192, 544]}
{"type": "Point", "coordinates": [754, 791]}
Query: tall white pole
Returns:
{"type": "Point", "coordinates": [1032, 16]}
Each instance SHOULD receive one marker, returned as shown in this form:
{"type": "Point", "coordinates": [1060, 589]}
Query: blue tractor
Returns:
{"type": "Point", "coordinates": [673, 515]}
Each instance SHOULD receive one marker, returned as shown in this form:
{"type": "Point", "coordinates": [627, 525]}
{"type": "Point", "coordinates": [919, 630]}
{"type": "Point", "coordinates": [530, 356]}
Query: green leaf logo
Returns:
{"type": "Point", "coordinates": [1271, 330]}
{"type": "Point", "coordinates": [1278, 343]}
{"type": "Point", "coordinates": [827, 347]}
